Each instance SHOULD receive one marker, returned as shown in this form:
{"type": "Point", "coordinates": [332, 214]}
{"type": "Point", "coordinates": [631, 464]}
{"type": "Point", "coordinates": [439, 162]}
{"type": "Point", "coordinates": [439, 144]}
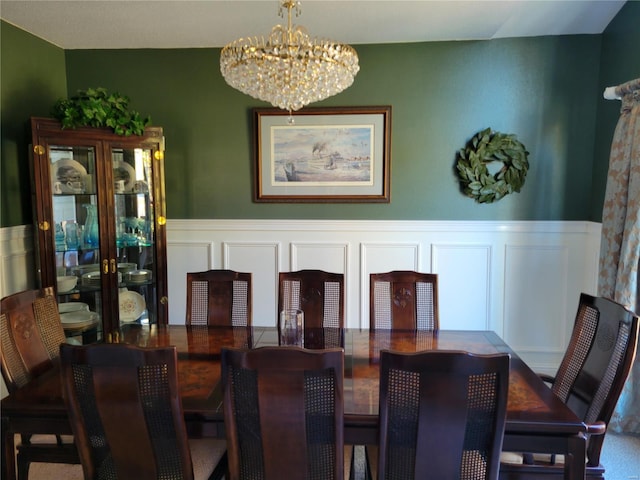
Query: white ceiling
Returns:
{"type": "Point", "coordinates": [72, 24]}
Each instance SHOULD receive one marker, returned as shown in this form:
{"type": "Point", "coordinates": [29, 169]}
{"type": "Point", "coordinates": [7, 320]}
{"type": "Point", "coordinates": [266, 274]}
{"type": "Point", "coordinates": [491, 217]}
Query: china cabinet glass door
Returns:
{"type": "Point", "coordinates": [134, 222]}
{"type": "Point", "coordinates": [77, 240]}
{"type": "Point", "coordinates": [100, 216]}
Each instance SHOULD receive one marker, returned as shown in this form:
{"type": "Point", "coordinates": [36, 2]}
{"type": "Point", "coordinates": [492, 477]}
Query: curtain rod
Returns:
{"type": "Point", "coordinates": [616, 93]}
{"type": "Point", "coordinates": [610, 94]}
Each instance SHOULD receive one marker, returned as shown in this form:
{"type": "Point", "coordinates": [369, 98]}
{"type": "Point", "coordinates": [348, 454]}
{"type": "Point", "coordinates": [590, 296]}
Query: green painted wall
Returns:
{"type": "Point", "coordinates": [619, 63]}
{"type": "Point", "coordinates": [32, 78]}
{"type": "Point", "coordinates": [546, 90]}
{"type": "Point", "coordinates": [542, 89]}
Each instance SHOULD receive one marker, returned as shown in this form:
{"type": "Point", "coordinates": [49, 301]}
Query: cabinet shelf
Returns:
{"type": "Point", "coordinates": [79, 250]}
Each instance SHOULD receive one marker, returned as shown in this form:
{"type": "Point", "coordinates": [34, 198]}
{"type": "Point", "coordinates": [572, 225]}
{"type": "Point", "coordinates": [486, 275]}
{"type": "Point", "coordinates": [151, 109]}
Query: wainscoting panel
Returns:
{"type": "Point", "coordinates": [263, 260]}
{"type": "Point", "coordinates": [464, 272]}
{"type": "Point", "coordinates": [17, 260]}
{"type": "Point", "coordinates": [333, 257]}
{"type": "Point", "coordinates": [185, 257]}
{"type": "Point", "coordinates": [538, 316]}
{"type": "Point", "coordinates": [521, 279]}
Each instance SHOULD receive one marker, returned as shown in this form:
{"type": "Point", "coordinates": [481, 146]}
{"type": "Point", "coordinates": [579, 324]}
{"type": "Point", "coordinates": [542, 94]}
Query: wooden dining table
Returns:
{"type": "Point", "coordinates": [537, 421]}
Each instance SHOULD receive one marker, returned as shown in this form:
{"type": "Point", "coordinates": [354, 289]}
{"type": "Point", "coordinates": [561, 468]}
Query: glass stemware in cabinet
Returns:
{"type": "Point", "coordinates": [135, 207]}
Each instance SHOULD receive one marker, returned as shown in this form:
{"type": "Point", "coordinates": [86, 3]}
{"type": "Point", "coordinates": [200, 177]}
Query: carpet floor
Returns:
{"type": "Point", "coordinates": [621, 457]}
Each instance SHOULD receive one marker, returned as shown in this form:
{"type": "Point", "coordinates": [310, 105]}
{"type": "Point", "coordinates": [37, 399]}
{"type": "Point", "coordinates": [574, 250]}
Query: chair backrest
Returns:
{"type": "Point", "coordinates": [596, 363]}
{"type": "Point", "coordinates": [319, 294]}
{"type": "Point", "coordinates": [31, 334]}
{"type": "Point", "coordinates": [442, 414]}
{"type": "Point", "coordinates": [125, 411]}
{"type": "Point", "coordinates": [403, 299]}
{"type": "Point", "coordinates": [219, 297]}
{"type": "Point", "coordinates": [283, 413]}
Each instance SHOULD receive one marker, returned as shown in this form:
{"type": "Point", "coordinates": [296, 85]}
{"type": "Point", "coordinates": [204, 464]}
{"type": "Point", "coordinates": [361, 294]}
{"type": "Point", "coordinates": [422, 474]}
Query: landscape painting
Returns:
{"type": "Point", "coordinates": [323, 155]}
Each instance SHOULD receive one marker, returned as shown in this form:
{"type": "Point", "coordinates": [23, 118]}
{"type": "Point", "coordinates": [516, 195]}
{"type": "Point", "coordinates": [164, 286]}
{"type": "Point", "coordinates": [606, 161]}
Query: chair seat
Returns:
{"type": "Point", "coordinates": [45, 439]}
{"type": "Point", "coordinates": [515, 458]}
{"type": "Point", "coordinates": [48, 471]}
{"type": "Point", "coordinates": [206, 454]}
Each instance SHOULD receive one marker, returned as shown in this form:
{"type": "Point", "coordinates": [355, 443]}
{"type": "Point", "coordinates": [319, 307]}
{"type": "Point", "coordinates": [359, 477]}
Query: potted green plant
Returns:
{"type": "Point", "coordinates": [95, 107]}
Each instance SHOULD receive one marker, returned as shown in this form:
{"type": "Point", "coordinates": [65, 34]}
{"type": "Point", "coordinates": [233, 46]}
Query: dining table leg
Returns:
{"type": "Point", "coordinates": [8, 452]}
{"type": "Point", "coordinates": [577, 450]}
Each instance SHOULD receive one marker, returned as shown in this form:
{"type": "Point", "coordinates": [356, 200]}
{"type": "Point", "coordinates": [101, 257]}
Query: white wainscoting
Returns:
{"type": "Point", "coordinates": [520, 279]}
{"type": "Point", "coordinates": [17, 259]}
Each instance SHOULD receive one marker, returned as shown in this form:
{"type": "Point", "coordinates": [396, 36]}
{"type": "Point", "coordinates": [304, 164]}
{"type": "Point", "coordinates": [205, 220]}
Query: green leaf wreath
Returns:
{"type": "Point", "coordinates": [95, 107]}
{"type": "Point", "coordinates": [486, 147]}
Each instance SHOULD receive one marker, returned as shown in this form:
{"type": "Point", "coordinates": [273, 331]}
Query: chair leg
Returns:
{"type": "Point", "coordinates": [23, 467]}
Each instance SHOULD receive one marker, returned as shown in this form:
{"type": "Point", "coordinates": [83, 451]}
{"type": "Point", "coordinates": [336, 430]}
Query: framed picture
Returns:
{"type": "Point", "coordinates": [339, 154]}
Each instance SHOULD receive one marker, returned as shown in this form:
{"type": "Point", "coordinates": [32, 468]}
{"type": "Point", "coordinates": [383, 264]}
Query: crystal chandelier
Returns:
{"type": "Point", "coordinates": [288, 69]}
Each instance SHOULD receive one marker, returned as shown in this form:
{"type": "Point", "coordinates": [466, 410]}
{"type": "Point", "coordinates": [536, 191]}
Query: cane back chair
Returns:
{"type": "Point", "coordinates": [589, 380]}
{"type": "Point", "coordinates": [320, 295]}
{"type": "Point", "coordinates": [125, 411]}
{"type": "Point", "coordinates": [403, 299]}
{"type": "Point", "coordinates": [31, 334]}
{"type": "Point", "coordinates": [442, 414]}
{"type": "Point", "coordinates": [283, 412]}
{"type": "Point", "coordinates": [219, 297]}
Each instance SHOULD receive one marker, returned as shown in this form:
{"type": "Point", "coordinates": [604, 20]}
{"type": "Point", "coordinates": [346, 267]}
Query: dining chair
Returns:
{"type": "Point", "coordinates": [283, 413]}
{"type": "Point", "coordinates": [320, 295]}
{"type": "Point", "coordinates": [403, 299]}
{"type": "Point", "coordinates": [442, 415]}
{"type": "Point", "coordinates": [219, 297]}
{"type": "Point", "coordinates": [589, 380]}
{"type": "Point", "coordinates": [31, 334]}
{"type": "Point", "coordinates": [126, 412]}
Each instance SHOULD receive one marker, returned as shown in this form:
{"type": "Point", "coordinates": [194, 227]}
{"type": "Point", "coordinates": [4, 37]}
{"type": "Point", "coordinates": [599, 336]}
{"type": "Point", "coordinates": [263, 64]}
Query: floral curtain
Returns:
{"type": "Point", "coordinates": [620, 244]}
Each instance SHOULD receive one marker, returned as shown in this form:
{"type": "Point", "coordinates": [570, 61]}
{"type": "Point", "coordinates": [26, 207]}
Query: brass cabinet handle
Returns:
{"type": "Point", "coordinates": [44, 226]}
{"type": "Point", "coordinates": [105, 267]}
{"type": "Point", "coordinates": [113, 266]}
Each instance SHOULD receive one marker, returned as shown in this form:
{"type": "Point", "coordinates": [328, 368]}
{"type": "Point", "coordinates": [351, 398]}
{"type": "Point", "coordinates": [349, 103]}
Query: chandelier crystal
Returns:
{"type": "Point", "coordinates": [288, 69]}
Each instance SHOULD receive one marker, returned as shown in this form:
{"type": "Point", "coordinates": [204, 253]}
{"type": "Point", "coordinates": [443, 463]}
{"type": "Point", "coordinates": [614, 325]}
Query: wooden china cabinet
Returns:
{"type": "Point", "coordinates": [100, 217]}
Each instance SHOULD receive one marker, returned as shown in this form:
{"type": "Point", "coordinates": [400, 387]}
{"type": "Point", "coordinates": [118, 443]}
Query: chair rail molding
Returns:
{"type": "Point", "coordinates": [521, 279]}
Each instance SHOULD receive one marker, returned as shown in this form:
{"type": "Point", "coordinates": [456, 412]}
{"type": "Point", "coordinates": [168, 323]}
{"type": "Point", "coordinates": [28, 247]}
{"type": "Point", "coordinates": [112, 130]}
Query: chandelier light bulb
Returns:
{"type": "Point", "coordinates": [288, 69]}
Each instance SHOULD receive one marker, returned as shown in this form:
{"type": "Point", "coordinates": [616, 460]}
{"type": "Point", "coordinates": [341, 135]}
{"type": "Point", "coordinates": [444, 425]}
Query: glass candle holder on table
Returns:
{"type": "Point", "coordinates": [291, 327]}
